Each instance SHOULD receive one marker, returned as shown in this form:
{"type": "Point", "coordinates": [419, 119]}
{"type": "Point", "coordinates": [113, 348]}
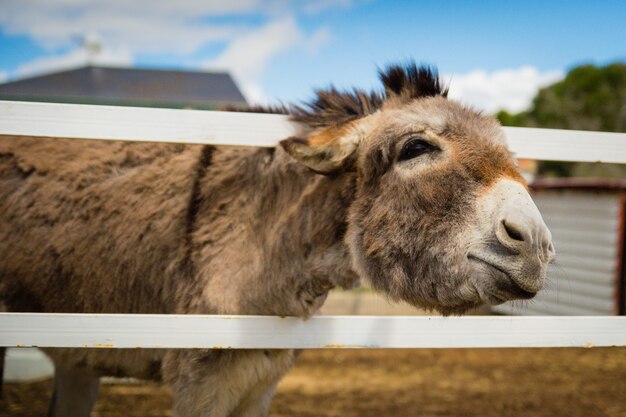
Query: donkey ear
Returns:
{"type": "Point", "coordinates": [324, 156]}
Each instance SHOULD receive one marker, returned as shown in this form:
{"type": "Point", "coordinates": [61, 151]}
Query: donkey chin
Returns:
{"type": "Point", "coordinates": [496, 284]}
{"type": "Point", "coordinates": [511, 258]}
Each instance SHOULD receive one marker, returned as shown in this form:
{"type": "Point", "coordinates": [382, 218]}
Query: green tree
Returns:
{"type": "Point", "coordinates": [589, 98]}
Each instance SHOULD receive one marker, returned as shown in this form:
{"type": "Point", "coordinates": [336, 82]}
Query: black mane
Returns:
{"type": "Point", "coordinates": [333, 107]}
{"type": "Point", "coordinates": [411, 81]}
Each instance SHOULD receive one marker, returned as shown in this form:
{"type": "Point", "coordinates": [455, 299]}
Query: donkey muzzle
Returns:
{"type": "Point", "coordinates": [517, 244]}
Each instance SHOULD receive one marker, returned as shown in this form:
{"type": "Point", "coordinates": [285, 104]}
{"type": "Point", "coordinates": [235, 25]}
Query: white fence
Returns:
{"type": "Point", "coordinates": [194, 331]}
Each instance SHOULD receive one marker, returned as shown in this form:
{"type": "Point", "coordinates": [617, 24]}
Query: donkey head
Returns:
{"type": "Point", "coordinates": [441, 219]}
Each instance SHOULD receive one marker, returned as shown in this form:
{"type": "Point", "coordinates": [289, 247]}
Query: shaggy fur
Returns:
{"type": "Point", "coordinates": [108, 227]}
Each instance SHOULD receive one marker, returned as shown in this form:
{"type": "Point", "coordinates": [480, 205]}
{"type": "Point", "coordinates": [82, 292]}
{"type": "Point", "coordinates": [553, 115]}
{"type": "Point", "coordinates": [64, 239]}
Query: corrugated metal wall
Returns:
{"type": "Point", "coordinates": [585, 229]}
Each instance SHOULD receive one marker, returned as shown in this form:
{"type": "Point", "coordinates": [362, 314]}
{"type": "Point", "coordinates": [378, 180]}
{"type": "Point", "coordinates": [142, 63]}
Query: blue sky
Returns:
{"type": "Point", "coordinates": [495, 54]}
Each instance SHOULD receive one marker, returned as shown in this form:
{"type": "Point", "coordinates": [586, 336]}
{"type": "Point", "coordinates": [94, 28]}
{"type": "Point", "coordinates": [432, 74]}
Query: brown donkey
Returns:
{"type": "Point", "coordinates": [412, 192]}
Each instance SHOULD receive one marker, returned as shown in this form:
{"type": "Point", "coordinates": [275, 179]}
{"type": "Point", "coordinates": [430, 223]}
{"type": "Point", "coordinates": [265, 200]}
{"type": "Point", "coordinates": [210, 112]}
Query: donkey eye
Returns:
{"type": "Point", "coordinates": [414, 148]}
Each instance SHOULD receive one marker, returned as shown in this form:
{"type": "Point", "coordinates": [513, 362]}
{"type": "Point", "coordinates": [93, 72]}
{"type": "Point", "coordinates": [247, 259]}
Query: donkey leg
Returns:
{"type": "Point", "coordinates": [256, 403]}
{"type": "Point", "coordinates": [224, 383]}
{"type": "Point", "coordinates": [74, 393]}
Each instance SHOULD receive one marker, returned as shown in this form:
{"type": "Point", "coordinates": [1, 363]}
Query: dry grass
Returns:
{"type": "Point", "coordinates": [426, 382]}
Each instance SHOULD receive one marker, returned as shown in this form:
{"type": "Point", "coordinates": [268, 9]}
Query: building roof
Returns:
{"type": "Point", "coordinates": [580, 184]}
{"type": "Point", "coordinates": [128, 86]}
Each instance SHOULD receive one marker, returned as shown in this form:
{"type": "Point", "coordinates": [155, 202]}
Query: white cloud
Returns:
{"type": "Point", "coordinates": [160, 26]}
{"type": "Point", "coordinates": [317, 40]}
{"type": "Point", "coordinates": [163, 26]}
{"type": "Point", "coordinates": [3, 76]}
{"type": "Point", "coordinates": [510, 89]}
{"type": "Point", "coordinates": [248, 55]}
{"type": "Point", "coordinates": [316, 6]}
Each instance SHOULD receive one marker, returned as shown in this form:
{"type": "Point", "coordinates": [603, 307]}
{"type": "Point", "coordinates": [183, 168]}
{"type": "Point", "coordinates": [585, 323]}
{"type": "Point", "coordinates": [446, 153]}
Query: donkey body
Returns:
{"type": "Point", "coordinates": [406, 189]}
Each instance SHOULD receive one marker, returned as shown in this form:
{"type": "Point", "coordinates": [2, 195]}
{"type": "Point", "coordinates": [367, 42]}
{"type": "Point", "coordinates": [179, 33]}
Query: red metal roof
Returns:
{"type": "Point", "coordinates": [582, 184]}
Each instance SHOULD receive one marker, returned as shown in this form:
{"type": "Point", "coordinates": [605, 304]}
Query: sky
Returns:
{"type": "Point", "coordinates": [493, 54]}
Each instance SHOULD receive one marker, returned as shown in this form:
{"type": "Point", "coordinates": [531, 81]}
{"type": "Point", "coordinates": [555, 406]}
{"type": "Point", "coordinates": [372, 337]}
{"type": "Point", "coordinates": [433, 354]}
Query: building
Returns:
{"type": "Point", "coordinates": [129, 87]}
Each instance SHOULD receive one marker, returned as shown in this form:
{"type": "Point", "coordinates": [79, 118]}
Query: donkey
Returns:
{"type": "Point", "coordinates": [401, 187]}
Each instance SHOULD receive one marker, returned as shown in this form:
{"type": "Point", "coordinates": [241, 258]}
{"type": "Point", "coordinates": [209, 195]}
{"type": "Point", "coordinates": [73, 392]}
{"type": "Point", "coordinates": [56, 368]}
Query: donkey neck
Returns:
{"type": "Point", "coordinates": [305, 239]}
{"type": "Point", "coordinates": [264, 216]}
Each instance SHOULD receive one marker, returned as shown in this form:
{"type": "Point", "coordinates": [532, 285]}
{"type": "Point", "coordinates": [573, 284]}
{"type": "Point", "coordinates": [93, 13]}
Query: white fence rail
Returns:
{"type": "Point", "coordinates": [174, 331]}
{"type": "Point", "coordinates": [249, 129]}
{"type": "Point", "coordinates": [245, 332]}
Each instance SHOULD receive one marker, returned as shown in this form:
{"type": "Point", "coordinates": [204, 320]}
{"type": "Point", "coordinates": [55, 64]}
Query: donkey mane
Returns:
{"type": "Point", "coordinates": [331, 107]}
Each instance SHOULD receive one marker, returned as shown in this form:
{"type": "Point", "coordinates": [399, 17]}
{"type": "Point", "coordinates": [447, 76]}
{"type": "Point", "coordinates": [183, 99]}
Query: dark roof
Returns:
{"type": "Point", "coordinates": [128, 86]}
{"type": "Point", "coordinates": [579, 184]}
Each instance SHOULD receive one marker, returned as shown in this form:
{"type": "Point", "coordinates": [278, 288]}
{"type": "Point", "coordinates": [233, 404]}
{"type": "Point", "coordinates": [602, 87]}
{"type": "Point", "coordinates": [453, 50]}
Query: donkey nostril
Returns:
{"type": "Point", "coordinates": [513, 232]}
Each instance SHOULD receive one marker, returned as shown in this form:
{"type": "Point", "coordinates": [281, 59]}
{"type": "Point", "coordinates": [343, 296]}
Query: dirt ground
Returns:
{"type": "Point", "coordinates": [368, 383]}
